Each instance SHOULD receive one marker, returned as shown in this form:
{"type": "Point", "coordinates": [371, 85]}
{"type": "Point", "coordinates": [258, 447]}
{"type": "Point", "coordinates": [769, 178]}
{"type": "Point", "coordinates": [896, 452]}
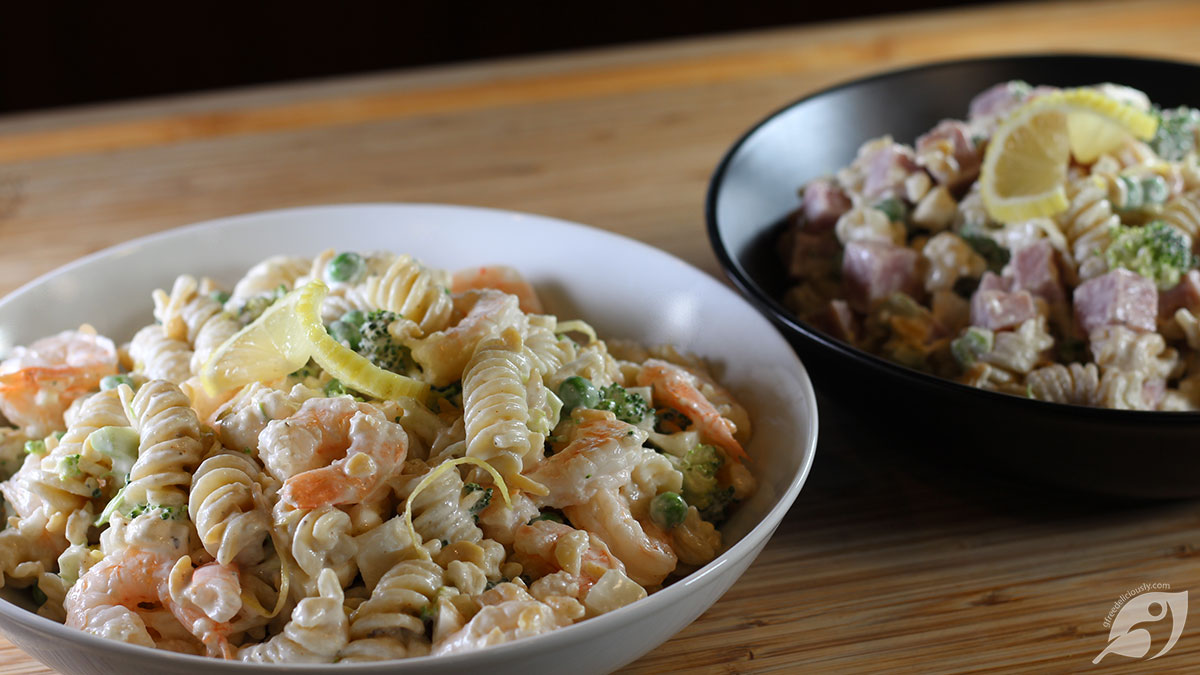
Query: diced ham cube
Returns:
{"type": "Point", "coordinates": [949, 140]}
{"type": "Point", "coordinates": [1119, 298]}
{"type": "Point", "coordinates": [1185, 295]}
{"type": "Point", "coordinates": [824, 203]}
{"type": "Point", "coordinates": [990, 281]}
{"type": "Point", "coordinates": [1034, 268]}
{"type": "Point", "coordinates": [888, 167]}
{"type": "Point", "coordinates": [1000, 310]}
{"type": "Point", "coordinates": [872, 270]}
{"type": "Point", "coordinates": [1003, 98]}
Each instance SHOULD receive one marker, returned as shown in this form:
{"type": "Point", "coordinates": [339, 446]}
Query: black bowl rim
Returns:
{"type": "Point", "coordinates": [780, 314]}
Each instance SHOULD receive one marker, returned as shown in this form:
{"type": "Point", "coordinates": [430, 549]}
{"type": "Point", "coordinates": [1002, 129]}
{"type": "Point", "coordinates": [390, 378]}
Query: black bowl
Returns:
{"type": "Point", "coordinates": [1113, 452]}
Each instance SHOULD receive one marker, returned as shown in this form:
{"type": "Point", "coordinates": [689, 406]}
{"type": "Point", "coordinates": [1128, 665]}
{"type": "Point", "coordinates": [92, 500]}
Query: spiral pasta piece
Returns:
{"type": "Point", "coordinates": [192, 315]}
{"type": "Point", "coordinates": [495, 407]}
{"type": "Point", "coordinates": [225, 506]}
{"type": "Point", "coordinates": [389, 625]}
{"type": "Point", "coordinates": [67, 477]}
{"type": "Point", "coordinates": [1075, 384]}
{"type": "Point", "coordinates": [159, 357]}
{"type": "Point", "coordinates": [268, 275]}
{"type": "Point", "coordinates": [1183, 212]}
{"type": "Point", "coordinates": [169, 449]}
{"type": "Point", "coordinates": [1088, 223]}
{"type": "Point", "coordinates": [1118, 347]}
{"type": "Point", "coordinates": [319, 539]}
{"type": "Point", "coordinates": [316, 633]}
{"type": "Point", "coordinates": [413, 291]}
{"type": "Point", "coordinates": [470, 566]}
{"type": "Point", "coordinates": [445, 509]}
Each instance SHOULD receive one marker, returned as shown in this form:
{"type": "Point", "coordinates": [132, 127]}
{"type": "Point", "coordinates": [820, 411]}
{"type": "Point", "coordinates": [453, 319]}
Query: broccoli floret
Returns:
{"type": "Point", "coordinates": [973, 343]}
{"type": "Point", "coordinates": [255, 306]}
{"type": "Point", "coordinates": [1176, 133]}
{"type": "Point", "coordinates": [701, 488]}
{"type": "Point", "coordinates": [117, 504]}
{"type": "Point", "coordinates": [1157, 252]}
{"type": "Point", "coordinates": [628, 407]}
{"type": "Point", "coordinates": [996, 255]}
{"type": "Point", "coordinates": [380, 347]}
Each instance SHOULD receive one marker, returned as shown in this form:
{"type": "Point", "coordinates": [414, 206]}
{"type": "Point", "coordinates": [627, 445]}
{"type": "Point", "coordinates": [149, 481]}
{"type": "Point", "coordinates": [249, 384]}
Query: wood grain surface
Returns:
{"type": "Point", "coordinates": [888, 562]}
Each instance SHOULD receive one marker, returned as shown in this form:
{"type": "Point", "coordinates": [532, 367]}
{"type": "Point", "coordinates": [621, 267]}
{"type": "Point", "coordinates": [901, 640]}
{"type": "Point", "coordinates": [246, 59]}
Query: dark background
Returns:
{"type": "Point", "coordinates": [64, 53]}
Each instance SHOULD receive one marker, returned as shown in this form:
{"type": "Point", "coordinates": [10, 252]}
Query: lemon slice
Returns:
{"type": "Point", "coordinates": [271, 346]}
{"type": "Point", "coordinates": [351, 368]}
{"type": "Point", "coordinates": [1024, 170]}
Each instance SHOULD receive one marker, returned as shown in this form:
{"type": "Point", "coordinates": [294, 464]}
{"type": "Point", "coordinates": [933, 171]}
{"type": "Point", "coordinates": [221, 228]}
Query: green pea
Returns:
{"type": "Point", "coordinates": [114, 381]}
{"type": "Point", "coordinates": [219, 296]}
{"type": "Point", "coordinates": [355, 317]}
{"type": "Point", "coordinates": [1155, 190]}
{"type": "Point", "coordinates": [348, 267]}
{"type": "Point", "coordinates": [347, 333]}
{"type": "Point", "coordinates": [578, 392]}
{"type": "Point", "coordinates": [668, 510]}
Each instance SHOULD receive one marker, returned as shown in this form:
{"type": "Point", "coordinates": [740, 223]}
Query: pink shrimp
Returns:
{"type": "Point", "coordinates": [641, 545]}
{"type": "Point", "coordinates": [111, 597]}
{"type": "Point", "coordinates": [443, 355]}
{"type": "Point", "coordinates": [370, 449]}
{"type": "Point", "coordinates": [39, 382]}
{"type": "Point", "coordinates": [600, 455]}
{"type": "Point", "coordinates": [502, 278]}
{"type": "Point", "coordinates": [678, 389]}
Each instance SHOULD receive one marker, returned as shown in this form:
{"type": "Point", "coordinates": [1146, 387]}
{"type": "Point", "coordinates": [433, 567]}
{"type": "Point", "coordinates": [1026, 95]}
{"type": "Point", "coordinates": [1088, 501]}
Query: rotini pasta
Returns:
{"type": "Point", "coordinates": [532, 480]}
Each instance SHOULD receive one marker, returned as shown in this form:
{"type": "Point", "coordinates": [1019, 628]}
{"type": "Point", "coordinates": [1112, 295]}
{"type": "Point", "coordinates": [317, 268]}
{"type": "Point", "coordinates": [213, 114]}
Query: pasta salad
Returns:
{"type": "Point", "coordinates": [357, 458]}
{"type": "Point", "coordinates": [1043, 247]}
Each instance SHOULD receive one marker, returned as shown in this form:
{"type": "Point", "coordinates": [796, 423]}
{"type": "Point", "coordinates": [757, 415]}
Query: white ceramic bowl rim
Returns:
{"type": "Point", "coordinates": [600, 624]}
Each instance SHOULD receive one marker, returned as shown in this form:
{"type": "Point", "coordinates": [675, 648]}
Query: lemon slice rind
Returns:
{"type": "Point", "coordinates": [269, 347]}
{"type": "Point", "coordinates": [1024, 169]}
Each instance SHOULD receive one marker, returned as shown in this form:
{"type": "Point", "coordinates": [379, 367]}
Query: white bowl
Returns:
{"type": "Point", "coordinates": [622, 287]}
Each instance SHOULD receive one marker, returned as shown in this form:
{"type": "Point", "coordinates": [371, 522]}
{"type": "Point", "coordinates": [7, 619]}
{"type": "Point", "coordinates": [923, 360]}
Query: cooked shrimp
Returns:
{"type": "Point", "coordinates": [642, 546]}
{"type": "Point", "coordinates": [546, 547]}
{"type": "Point", "coordinates": [677, 388]}
{"type": "Point", "coordinates": [600, 455]}
{"type": "Point", "coordinates": [110, 597]}
{"type": "Point", "coordinates": [38, 382]}
{"type": "Point", "coordinates": [215, 589]}
{"type": "Point", "coordinates": [501, 278]}
{"type": "Point", "coordinates": [444, 354]}
{"type": "Point", "coordinates": [305, 450]}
